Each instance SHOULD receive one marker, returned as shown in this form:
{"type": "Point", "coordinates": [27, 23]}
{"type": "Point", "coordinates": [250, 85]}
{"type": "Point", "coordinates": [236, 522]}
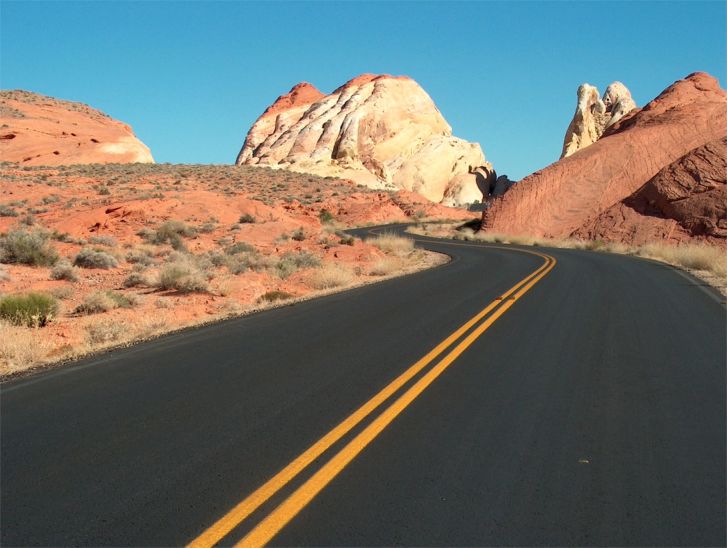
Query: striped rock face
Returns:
{"type": "Point", "coordinates": [41, 130]}
{"type": "Point", "coordinates": [380, 131]}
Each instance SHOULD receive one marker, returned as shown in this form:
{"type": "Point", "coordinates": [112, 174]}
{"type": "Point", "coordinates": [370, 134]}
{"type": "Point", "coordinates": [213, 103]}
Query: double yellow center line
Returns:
{"type": "Point", "coordinates": [271, 524]}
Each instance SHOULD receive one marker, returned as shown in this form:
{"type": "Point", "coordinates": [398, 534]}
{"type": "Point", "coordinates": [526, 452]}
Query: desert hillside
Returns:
{"type": "Point", "coordinates": [381, 131]}
{"type": "Point", "coordinates": [597, 191]}
{"type": "Point", "coordinates": [40, 130]}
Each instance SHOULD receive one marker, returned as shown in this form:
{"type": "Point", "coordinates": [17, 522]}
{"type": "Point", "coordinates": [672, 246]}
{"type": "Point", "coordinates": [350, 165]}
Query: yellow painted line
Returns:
{"type": "Point", "coordinates": [252, 502]}
{"type": "Point", "coordinates": [278, 518]}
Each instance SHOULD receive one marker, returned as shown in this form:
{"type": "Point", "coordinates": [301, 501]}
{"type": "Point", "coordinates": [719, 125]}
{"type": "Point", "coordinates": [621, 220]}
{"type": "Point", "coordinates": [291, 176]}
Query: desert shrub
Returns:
{"type": "Point", "coordinates": [135, 279]}
{"type": "Point", "coordinates": [346, 240]}
{"type": "Point", "coordinates": [4, 276]}
{"type": "Point", "coordinates": [182, 275]}
{"type": "Point", "coordinates": [326, 216]}
{"type": "Point", "coordinates": [207, 227]}
{"type": "Point", "coordinates": [330, 275]}
{"type": "Point", "coordinates": [140, 256]}
{"type": "Point", "coordinates": [239, 247]}
{"type": "Point", "coordinates": [291, 262]}
{"type": "Point", "coordinates": [31, 248]}
{"type": "Point", "coordinates": [103, 240]}
{"type": "Point", "coordinates": [61, 292]}
{"type": "Point", "coordinates": [391, 243]}
{"type": "Point", "coordinates": [247, 218]}
{"type": "Point", "coordinates": [94, 258]}
{"type": "Point", "coordinates": [64, 270]}
{"type": "Point", "coordinates": [103, 301]}
{"type": "Point", "coordinates": [7, 211]}
{"type": "Point", "coordinates": [171, 231]}
{"type": "Point", "coordinates": [298, 235]}
{"type": "Point", "coordinates": [272, 296]}
{"type": "Point", "coordinates": [29, 309]}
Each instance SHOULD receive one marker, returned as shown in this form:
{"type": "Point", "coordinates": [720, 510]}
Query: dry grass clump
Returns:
{"type": "Point", "coordinates": [20, 348]}
{"type": "Point", "coordinates": [385, 266]}
{"type": "Point", "coordinates": [330, 275]}
{"type": "Point", "coordinates": [29, 309]}
{"type": "Point", "coordinates": [103, 301]}
{"type": "Point", "coordinates": [64, 270]}
{"type": "Point", "coordinates": [31, 248]}
{"type": "Point", "coordinates": [105, 331]}
{"type": "Point", "coordinates": [697, 257]}
{"type": "Point", "coordinates": [102, 239]}
{"type": "Point", "coordinates": [136, 279]}
{"type": "Point", "coordinates": [393, 244]}
{"type": "Point", "coordinates": [95, 258]}
{"type": "Point", "coordinates": [171, 231]}
{"type": "Point", "coordinates": [272, 296]}
{"type": "Point", "coordinates": [183, 274]}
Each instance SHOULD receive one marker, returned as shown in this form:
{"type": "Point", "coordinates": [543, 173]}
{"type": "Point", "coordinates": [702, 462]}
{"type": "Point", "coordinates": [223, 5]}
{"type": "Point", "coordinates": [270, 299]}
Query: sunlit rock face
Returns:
{"type": "Point", "coordinates": [41, 130]}
{"type": "Point", "coordinates": [378, 130]}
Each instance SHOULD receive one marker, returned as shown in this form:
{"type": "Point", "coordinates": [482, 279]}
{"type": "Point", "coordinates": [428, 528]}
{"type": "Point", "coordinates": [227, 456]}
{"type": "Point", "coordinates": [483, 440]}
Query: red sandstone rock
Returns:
{"type": "Point", "coordinates": [40, 130]}
{"type": "Point", "coordinates": [686, 200]}
{"type": "Point", "coordinates": [566, 197]}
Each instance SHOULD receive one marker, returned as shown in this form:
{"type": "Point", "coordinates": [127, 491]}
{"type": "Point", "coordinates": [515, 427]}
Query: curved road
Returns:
{"type": "Point", "coordinates": [583, 404]}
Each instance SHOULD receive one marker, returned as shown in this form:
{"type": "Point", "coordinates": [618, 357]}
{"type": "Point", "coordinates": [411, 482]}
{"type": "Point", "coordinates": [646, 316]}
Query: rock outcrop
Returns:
{"type": "Point", "coordinates": [574, 195]}
{"type": "Point", "coordinates": [41, 130]}
{"type": "Point", "coordinates": [686, 200]}
{"type": "Point", "coordinates": [381, 131]}
{"type": "Point", "coordinates": [594, 114]}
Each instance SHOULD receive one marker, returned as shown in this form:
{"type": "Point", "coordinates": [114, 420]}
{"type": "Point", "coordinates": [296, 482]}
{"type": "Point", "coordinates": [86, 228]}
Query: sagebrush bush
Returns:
{"type": "Point", "coordinates": [29, 309]}
{"type": "Point", "coordinates": [7, 211]}
{"type": "Point", "coordinates": [291, 262]}
{"type": "Point", "coordinates": [182, 275]}
{"type": "Point", "coordinates": [103, 301]}
{"type": "Point", "coordinates": [298, 235]}
{"type": "Point", "coordinates": [136, 279]}
{"type": "Point", "coordinates": [94, 258]}
{"type": "Point", "coordinates": [171, 231]}
{"type": "Point", "coordinates": [103, 239]}
{"type": "Point", "coordinates": [239, 247]}
{"type": "Point", "coordinates": [64, 270]}
{"type": "Point", "coordinates": [247, 218]}
{"type": "Point", "coordinates": [326, 216]}
{"type": "Point", "coordinates": [106, 331]}
{"type": "Point", "coordinates": [31, 248]}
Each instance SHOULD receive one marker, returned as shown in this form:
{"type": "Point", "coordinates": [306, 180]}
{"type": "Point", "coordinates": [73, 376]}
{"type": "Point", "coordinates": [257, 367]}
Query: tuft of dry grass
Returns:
{"type": "Point", "coordinates": [21, 348]}
{"type": "Point", "coordinates": [330, 275]}
{"type": "Point", "coordinates": [386, 266]}
{"type": "Point", "coordinates": [694, 256]}
{"type": "Point", "coordinates": [390, 243]}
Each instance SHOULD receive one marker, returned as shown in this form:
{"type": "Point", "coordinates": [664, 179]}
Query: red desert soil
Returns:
{"type": "Point", "coordinates": [596, 191]}
{"type": "Point", "coordinates": [250, 234]}
{"type": "Point", "coordinates": [40, 130]}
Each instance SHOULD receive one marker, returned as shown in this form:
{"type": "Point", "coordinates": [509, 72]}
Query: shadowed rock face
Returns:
{"type": "Point", "coordinates": [687, 199]}
{"type": "Point", "coordinates": [380, 131]}
{"type": "Point", "coordinates": [41, 130]}
{"type": "Point", "coordinates": [594, 114]}
{"type": "Point", "coordinates": [567, 197]}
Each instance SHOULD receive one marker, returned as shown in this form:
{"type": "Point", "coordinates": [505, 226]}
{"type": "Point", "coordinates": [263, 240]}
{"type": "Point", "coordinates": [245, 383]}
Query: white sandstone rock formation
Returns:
{"type": "Point", "coordinates": [381, 131]}
{"type": "Point", "coordinates": [594, 114]}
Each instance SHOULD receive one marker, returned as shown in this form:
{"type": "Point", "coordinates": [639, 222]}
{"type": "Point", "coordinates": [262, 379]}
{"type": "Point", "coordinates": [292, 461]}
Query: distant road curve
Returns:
{"type": "Point", "coordinates": [519, 396]}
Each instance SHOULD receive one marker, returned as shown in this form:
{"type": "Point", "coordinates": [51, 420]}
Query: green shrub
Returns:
{"type": "Point", "coordinates": [30, 309]}
{"type": "Point", "coordinates": [94, 258]}
{"type": "Point", "coordinates": [63, 270]}
{"type": "Point", "coordinates": [31, 248]}
{"type": "Point", "coordinates": [171, 231]}
{"type": "Point", "coordinates": [326, 216]}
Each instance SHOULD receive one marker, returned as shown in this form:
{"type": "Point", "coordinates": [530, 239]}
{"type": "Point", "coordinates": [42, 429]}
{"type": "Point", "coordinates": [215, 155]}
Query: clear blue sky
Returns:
{"type": "Point", "coordinates": [191, 77]}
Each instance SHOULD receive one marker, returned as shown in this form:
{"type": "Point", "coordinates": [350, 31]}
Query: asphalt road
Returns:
{"type": "Point", "coordinates": [589, 411]}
